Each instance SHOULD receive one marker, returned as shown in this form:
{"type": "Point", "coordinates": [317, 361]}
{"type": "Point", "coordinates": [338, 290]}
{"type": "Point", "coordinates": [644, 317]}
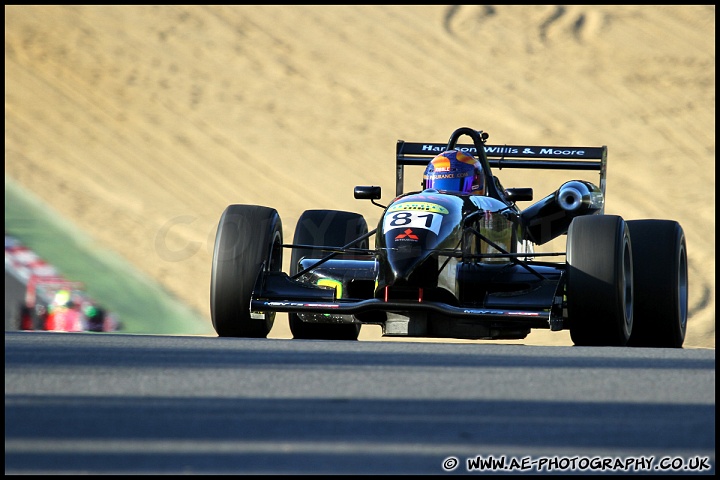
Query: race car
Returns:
{"type": "Point", "coordinates": [45, 296]}
{"type": "Point", "coordinates": [54, 303]}
{"type": "Point", "coordinates": [447, 263]}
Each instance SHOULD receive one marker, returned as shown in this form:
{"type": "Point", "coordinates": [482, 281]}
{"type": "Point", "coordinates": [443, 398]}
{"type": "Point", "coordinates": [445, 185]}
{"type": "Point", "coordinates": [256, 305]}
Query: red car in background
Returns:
{"type": "Point", "coordinates": [51, 301]}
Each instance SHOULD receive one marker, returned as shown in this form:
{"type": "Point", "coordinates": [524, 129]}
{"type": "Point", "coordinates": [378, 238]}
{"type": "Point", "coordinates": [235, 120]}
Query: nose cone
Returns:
{"type": "Point", "coordinates": [405, 265]}
{"type": "Point", "coordinates": [412, 232]}
{"type": "Point", "coordinates": [409, 261]}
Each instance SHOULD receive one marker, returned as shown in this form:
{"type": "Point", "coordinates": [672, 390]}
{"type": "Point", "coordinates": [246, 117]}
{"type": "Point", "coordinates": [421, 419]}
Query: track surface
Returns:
{"type": "Point", "coordinates": [132, 404]}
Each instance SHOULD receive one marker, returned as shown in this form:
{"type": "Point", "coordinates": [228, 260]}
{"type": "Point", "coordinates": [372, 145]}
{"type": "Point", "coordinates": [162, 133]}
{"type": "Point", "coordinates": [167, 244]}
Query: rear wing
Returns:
{"type": "Point", "coordinates": [507, 156]}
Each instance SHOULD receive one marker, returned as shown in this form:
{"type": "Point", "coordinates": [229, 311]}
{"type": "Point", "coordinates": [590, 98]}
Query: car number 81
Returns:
{"type": "Point", "coordinates": [411, 219]}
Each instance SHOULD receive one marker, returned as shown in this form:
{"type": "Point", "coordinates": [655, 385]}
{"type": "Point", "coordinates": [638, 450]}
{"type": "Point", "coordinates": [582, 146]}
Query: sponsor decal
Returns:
{"type": "Point", "coordinates": [501, 150]}
{"type": "Point", "coordinates": [300, 304]}
{"type": "Point", "coordinates": [433, 148]}
{"type": "Point", "coordinates": [501, 312]}
{"type": "Point", "coordinates": [452, 175]}
{"type": "Point", "coordinates": [467, 149]}
{"type": "Point", "coordinates": [424, 206]}
{"type": "Point", "coordinates": [550, 151]}
{"type": "Point", "coordinates": [509, 150]}
{"type": "Point", "coordinates": [429, 147]}
{"type": "Point", "coordinates": [407, 235]}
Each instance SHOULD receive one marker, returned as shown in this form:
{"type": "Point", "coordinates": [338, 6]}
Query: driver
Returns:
{"type": "Point", "coordinates": [455, 171]}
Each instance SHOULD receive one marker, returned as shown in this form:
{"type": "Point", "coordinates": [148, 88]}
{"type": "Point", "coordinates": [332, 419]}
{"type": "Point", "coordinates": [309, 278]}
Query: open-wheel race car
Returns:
{"type": "Point", "coordinates": [50, 301]}
{"type": "Point", "coordinates": [457, 259]}
{"type": "Point", "coordinates": [54, 303]}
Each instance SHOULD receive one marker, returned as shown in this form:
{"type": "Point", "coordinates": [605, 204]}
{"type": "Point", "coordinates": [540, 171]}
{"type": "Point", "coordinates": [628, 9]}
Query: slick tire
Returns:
{"type": "Point", "coordinates": [660, 273]}
{"type": "Point", "coordinates": [600, 281]}
{"type": "Point", "coordinates": [332, 228]}
{"type": "Point", "coordinates": [249, 241]}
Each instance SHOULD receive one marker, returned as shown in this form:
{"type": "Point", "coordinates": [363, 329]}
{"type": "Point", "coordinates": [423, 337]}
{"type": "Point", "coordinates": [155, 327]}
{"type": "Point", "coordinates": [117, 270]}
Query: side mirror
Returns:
{"type": "Point", "coordinates": [367, 192]}
{"type": "Point", "coordinates": [519, 194]}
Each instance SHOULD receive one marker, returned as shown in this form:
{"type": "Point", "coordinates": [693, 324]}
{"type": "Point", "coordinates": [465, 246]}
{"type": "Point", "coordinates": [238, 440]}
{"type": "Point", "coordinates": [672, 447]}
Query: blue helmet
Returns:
{"type": "Point", "coordinates": [455, 171]}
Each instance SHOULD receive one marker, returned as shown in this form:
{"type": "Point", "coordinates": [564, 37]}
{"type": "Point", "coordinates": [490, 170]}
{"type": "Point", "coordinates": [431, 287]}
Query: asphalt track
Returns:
{"type": "Point", "coordinates": [93, 403]}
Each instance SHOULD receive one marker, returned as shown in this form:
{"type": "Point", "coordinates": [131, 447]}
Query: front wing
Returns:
{"type": "Point", "coordinates": [276, 292]}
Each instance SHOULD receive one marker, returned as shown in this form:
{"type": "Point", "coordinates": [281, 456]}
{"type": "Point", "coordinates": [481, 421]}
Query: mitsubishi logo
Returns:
{"type": "Point", "coordinates": [407, 234]}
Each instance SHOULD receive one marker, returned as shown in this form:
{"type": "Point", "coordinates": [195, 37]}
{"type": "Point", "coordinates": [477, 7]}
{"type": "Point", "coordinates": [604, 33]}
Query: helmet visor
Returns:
{"type": "Point", "coordinates": [450, 182]}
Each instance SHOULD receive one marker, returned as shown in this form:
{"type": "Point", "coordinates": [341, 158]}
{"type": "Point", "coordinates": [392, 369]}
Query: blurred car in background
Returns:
{"type": "Point", "coordinates": [52, 302]}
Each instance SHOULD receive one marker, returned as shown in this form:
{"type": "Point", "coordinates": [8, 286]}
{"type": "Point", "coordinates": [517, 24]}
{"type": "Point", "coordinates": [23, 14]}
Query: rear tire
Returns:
{"type": "Point", "coordinates": [600, 281]}
{"type": "Point", "coordinates": [331, 228]}
{"type": "Point", "coordinates": [660, 273]}
{"type": "Point", "coordinates": [249, 239]}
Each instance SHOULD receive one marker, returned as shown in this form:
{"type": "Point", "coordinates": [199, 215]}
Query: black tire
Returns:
{"type": "Point", "coordinates": [660, 273]}
{"type": "Point", "coordinates": [26, 319]}
{"type": "Point", "coordinates": [96, 322]}
{"type": "Point", "coordinates": [330, 228]}
{"type": "Point", "coordinates": [600, 281]}
{"type": "Point", "coordinates": [249, 238]}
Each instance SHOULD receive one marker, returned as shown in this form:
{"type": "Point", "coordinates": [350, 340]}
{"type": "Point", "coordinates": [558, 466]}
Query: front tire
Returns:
{"type": "Point", "coordinates": [660, 273]}
{"type": "Point", "coordinates": [331, 228]}
{"type": "Point", "coordinates": [249, 240]}
{"type": "Point", "coordinates": [600, 281]}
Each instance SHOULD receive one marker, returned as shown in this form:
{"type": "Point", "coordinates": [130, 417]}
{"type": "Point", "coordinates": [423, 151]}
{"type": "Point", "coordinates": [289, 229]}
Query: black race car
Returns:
{"type": "Point", "coordinates": [452, 265]}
